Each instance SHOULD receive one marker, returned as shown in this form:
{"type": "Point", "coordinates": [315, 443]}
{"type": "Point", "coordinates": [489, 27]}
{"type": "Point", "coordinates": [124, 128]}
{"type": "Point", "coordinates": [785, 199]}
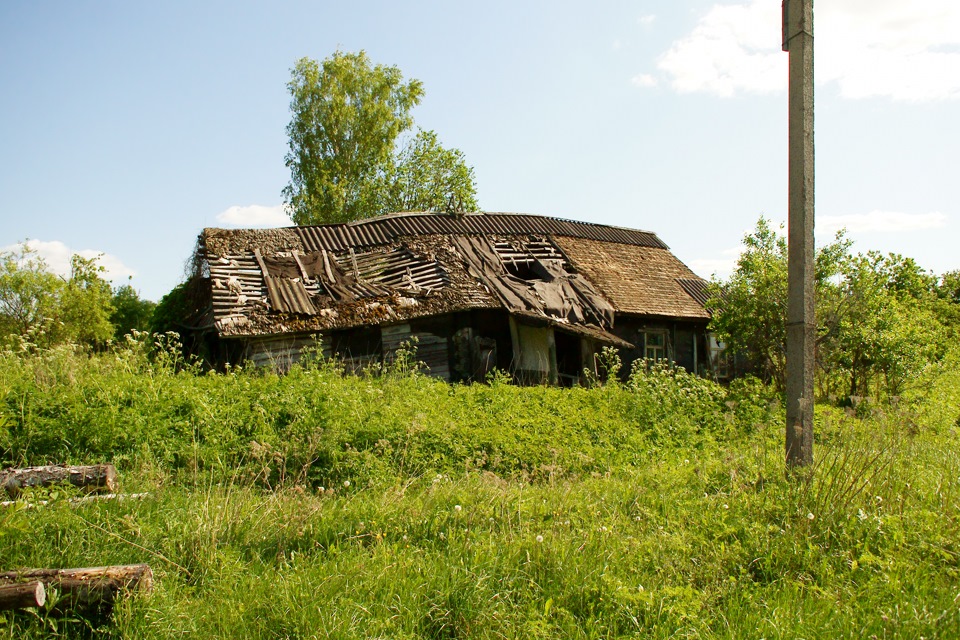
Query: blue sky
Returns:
{"type": "Point", "coordinates": [126, 127]}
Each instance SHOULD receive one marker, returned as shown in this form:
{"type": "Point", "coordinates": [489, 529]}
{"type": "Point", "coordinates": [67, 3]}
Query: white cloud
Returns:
{"type": "Point", "coordinates": [643, 80]}
{"type": "Point", "coordinates": [255, 216]}
{"type": "Point", "coordinates": [881, 222]}
{"type": "Point", "coordinates": [646, 20]}
{"type": "Point", "coordinates": [720, 267]}
{"type": "Point", "coordinates": [57, 256]}
{"type": "Point", "coordinates": [905, 51]}
{"type": "Point", "coordinates": [733, 48]}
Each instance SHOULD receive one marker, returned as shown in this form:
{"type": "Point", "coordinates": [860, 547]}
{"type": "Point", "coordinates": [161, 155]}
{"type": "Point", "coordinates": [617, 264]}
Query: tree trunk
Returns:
{"type": "Point", "coordinates": [22, 595]}
{"type": "Point", "coordinates": [90, 587]}
{"type": "Point", "coordinates": [101, 477]}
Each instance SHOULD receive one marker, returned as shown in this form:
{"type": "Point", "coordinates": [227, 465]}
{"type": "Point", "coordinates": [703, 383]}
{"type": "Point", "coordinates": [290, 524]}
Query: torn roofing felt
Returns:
{"type": "Point", "coordinates": [552, 291]}
{"type": "Point", "coordinates": [399, 267]}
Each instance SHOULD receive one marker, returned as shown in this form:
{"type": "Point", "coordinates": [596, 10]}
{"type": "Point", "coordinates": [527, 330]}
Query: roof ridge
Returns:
{"type": "Point", "coordinates": [471, 214]}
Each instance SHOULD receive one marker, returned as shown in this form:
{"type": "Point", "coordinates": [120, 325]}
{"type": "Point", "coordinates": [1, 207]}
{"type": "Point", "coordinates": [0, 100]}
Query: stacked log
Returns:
{"type": "Point", "coordinates": [92, 588]}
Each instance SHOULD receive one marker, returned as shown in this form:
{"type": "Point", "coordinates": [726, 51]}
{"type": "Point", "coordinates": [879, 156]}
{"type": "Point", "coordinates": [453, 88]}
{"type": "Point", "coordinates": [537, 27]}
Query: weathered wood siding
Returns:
{"type": "Point", "coordinates": [281, 352]}
{"type": "Point", "coordinates": [432, 350]}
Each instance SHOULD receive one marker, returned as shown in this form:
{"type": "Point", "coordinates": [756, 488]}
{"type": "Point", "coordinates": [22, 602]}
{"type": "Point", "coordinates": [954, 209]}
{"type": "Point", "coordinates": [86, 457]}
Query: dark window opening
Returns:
{"type": "Point", "coordinates": [362, 344]}
{"type": "Point", "coordinates": [569, 361]}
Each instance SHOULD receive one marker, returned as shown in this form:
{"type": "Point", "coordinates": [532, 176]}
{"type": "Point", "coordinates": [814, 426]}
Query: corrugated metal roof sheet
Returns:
{"type": "Point", "coordinates": [696, 288]}
{"type": "Point", "coordinates": [386, 229]}
{"type": "Point", "coordinates": [289, 296]}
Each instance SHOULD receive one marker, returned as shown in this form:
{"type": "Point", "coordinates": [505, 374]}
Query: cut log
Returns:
{"type": "Point", "coordinates": [100, 477]}
{"type": "Point", "coordinates": [22, 595]}
{"type": "Point", "coordinates": [90, 587]}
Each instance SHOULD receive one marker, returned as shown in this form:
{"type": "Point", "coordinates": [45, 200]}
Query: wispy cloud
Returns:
{"type": "Point", "coordinates": [906, 51]}
{"type": "Point", "coordinates": [721, 267]}
{"type": "Point", "coordinates": [255, 216]}
{"type": "Point", "coordinates": [882, 222]}
{"type": "Point", "coordinates": [646, 20]}
{"type": "Point", "coordinates": [643, 80]}
{"type": "Point", "coordinates": [57, 256]}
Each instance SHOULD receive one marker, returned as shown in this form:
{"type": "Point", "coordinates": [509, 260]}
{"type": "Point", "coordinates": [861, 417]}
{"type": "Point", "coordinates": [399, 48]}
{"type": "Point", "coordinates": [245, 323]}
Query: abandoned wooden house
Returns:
{"type": "Point", "coordinates": [533, 296]}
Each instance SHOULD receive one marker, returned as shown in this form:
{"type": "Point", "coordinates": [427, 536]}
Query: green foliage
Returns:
{"type": "Point", "coordinates": [881, 319]}
{"type": "Point", "coordinates": [29, 292]}
{"type": "Point", "coordinates": [38, 308]}
{"type": "Point", "coordinates": [174, 307]}
{"type": "Point", "coordinates": [751, 307]}
{"type": "Point", "coordinates": [130, 312]}
{"type": "Point", "coordinates": [427, 177]}
{"type": "Point", "coordinates": [317, 504]}
{"type": "Point", "coordinates": [87, 304]}
{"type": "Point", "coordinates": [887, 330]}
{"type": "Point", "coordinates": [394, 505]}
{"type": "Point", "coordinates": [347, 115]}
{"type": "Point", "coordinates": [949, 287]}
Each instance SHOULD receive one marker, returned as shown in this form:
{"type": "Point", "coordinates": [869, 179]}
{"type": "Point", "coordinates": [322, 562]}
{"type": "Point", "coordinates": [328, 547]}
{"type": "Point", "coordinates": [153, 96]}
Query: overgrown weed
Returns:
{"type": "Point", "coordinates": [318, 504]}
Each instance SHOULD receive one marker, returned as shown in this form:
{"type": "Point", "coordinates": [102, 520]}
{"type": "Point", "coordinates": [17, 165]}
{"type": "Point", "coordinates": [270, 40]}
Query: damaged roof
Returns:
{"type": "Point", "coordinates": [400, 267]}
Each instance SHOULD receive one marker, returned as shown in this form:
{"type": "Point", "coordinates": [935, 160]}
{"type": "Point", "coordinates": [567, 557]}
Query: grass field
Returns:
{"type": "Point", "coordinates": [316, 505]}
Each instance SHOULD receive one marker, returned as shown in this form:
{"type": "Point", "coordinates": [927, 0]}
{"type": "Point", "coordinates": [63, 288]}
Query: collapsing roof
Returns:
{"type": "Point", "coordinates": [576, 276]}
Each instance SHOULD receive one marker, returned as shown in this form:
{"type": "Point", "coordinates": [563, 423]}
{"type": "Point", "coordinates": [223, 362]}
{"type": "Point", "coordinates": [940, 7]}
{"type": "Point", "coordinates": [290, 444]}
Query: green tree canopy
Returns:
{"type": "Point", "coordinates": [346, 118]}
{"type": "Point", "coordinates": [29, 292]}
{"type": "Point", "coordinates": [879, 317]}
{"type": "Point", "coordinates": [887, 329]}
{"type": "Point", "coordinates": [948, 288]}
{"type": "Point", "coordinates": [45, 309]}
{"type": "Point", "coordinates": [751, 307]}
{"type": "Point", "coordinates": [130, 312]}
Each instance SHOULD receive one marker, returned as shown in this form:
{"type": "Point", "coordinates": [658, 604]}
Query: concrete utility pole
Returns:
{"type": "Point", "coordinates": [801, 321]}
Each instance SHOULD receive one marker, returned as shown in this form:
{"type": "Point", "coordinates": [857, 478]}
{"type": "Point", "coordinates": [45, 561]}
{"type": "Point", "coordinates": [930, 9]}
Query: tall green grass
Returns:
{"type": "Point", "coordinates": [316, 505]}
